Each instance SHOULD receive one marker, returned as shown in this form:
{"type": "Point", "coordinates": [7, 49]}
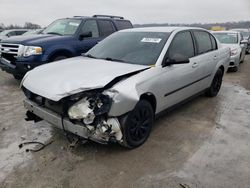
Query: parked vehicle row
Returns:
{"type": "Point", "coordinates": [237, 44]}
{"type": "Point", "coordinates": [114, 91]}
{"type": "Point", "coordinates": [62, 39]}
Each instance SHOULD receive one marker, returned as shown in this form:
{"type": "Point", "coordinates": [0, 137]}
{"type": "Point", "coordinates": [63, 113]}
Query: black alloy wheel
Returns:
{"type": "Point", "coordinates": [216, 84]}
{"type": "Point", "coordinates": [137, 124]}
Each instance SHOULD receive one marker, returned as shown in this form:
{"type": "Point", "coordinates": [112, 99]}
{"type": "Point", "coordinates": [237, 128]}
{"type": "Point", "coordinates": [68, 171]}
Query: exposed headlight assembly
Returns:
{"type": "Point", "coordinates": [32, 50]}
{"type": "Point", "coordinates": [89, 107]}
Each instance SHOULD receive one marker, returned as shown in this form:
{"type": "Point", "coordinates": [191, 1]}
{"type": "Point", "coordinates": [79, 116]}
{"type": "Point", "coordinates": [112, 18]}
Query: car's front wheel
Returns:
{"type": "Point", "coordinates": [214, 89]}
{"type": "Point", "coordinates": [136, 125]}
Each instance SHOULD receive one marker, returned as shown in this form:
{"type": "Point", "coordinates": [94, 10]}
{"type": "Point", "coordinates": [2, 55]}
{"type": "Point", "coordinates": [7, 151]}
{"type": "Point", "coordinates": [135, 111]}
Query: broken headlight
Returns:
{"type": "Point", "coordinates": [89, 107]}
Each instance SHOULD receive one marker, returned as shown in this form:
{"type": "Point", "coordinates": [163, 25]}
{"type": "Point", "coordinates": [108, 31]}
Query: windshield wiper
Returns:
{"type": "Point", "coordinates": [113, 59]}
{"type": "Point", "coordinates": [54, 33]}
{"type": "Point", "coordinates": [89, 55]}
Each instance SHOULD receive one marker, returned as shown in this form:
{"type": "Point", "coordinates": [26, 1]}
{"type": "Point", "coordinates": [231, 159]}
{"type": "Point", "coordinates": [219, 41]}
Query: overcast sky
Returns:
{"type": "Point", "coordinates": [138, 11]}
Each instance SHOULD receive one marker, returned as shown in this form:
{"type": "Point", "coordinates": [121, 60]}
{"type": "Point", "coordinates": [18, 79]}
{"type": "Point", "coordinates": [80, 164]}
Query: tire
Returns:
{"type": "Point", "coordinates": [58, 58]}
{"type": "Point", "coordinates": [136, 125]}
{"type": "Point", "coordinates": [18, 77]}
{"type": "Point", "coordinates": [214, 89]}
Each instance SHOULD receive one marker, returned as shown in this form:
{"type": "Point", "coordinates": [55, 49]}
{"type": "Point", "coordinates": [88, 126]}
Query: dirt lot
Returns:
{"type": "Point", "coordinates": [205, 143]}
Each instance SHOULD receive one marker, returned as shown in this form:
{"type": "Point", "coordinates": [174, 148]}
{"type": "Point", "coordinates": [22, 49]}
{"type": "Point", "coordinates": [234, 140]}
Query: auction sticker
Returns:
{"type": "Point", "coordinates": [74, 24]}
{"type": "Point", "coordinates": [151, 40]}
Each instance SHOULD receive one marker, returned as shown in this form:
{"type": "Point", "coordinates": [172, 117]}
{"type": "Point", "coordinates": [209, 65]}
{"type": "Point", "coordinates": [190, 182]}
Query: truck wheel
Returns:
{"type": "Point", "coordinates": [18, 77]}
{"type": "Point", "coordinates": [58, 58]}
{"type": "Point", "coordinates": [136, 125]}
{"type": "Point", "coordinates": [216, 84]}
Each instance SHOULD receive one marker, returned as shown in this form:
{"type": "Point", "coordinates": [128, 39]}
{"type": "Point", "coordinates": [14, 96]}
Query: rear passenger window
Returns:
{"type": "Point", "coordinates": [203, 41]}
{"type": "Point", "coordinates": [106, 27]}
{"type": "Point", "coordinates": [123, 24]}
{"type": "Point", "coordinates": [182, 44]}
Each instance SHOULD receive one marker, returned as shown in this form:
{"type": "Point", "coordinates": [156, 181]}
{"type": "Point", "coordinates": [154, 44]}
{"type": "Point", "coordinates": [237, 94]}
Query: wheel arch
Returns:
{"type": "Point", "coordinates": [60, 52]}
{"type": "Point", "coordinates": [222, 69]}
{"type": "Point", "coordinates": [150, 98]}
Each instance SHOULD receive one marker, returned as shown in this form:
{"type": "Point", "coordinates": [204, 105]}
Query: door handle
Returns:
{"type": "Point", "coordinates": [195, 65]}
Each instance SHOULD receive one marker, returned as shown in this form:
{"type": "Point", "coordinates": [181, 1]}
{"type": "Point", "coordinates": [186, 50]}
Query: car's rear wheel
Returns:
{"type": "Point", "coordinates": [216, 84]}
{"type": "Point", "coordinates": [137, 124]}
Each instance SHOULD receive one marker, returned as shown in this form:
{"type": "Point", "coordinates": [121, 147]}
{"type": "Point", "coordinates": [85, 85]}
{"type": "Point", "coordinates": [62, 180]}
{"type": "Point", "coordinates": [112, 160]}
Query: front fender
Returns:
{"type": "Point", "coordinates": [56, 49]}
{"type": "Point", "coordinates": [122, 102]}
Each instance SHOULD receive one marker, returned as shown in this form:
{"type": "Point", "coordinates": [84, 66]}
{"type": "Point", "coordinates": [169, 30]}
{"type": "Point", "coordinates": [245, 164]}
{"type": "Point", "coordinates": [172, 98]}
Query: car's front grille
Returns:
{"type": "Point", "coordinates": [9, 57]}
{"type": "Point", "coordinates": [10, 51]}
{"type": "Point", "coordinates": [57, 107]}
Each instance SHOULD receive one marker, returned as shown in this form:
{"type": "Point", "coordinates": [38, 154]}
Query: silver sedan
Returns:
{"type": "Point", "coordinates": [114, 91]}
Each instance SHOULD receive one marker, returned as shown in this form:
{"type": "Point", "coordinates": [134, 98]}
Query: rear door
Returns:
{"type": "Point", "coordinates": [206, 56]}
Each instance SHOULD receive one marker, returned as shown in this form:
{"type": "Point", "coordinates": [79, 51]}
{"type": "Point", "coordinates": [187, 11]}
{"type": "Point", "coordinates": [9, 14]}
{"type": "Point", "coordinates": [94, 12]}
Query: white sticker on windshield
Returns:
{"type": "Point", "coordinates": [151, 40]}
{"type": "Point", "coordinates": [73, 24]}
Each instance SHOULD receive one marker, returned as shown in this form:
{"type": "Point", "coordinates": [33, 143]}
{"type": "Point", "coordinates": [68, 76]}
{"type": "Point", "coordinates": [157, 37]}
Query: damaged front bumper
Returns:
{"type": "Point", "coordinates": [106, 131]}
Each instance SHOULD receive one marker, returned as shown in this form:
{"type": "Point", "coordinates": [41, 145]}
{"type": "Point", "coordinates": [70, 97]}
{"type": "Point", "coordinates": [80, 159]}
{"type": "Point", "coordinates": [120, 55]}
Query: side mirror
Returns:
{"type": "Point", "coordinates": [176, 59]}
{"type": "Point", "coordinates": [8, 35]}
{"type": "Point", "coordinates": [85, 35]}
{"type": "Point", "coordinates": [244, 41]}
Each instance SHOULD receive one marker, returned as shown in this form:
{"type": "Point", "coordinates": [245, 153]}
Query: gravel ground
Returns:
{"type": "Point", "coordinates": [204, 143]}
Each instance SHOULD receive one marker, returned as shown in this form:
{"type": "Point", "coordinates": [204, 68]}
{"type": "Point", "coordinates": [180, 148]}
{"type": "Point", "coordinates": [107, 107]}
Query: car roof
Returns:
{"type": "Point", "coordinates": [16, 29]}
{"type": "Point", "coordinates": [161, 29]}
{"type": "Point", "coordinates": [230, 31]}
{"type": "Point", "coordinates": [98, 17]}
{"type": "Point", "coordinates": [240, 29]}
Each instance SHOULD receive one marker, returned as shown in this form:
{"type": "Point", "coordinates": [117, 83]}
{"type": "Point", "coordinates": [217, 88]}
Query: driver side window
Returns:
{"type": "Point", "coordinates": [182, 45]}
{"type": "Point", "coordinates": [90, 26]}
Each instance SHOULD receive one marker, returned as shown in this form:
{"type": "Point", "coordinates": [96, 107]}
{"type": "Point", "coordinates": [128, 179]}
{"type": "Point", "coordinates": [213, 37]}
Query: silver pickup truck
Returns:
{"type": "Point", "coordinates": [114, 91]}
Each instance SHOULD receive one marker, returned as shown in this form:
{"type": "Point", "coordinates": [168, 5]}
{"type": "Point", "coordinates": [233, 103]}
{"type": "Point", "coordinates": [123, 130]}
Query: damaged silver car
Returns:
{"type": "Point", "coordinates": [113, 92]}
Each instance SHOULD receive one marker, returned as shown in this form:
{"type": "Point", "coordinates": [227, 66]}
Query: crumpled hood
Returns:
{"type": "Point", "coordinates": [70, 76]}
{"type": "Point", "coordinates": [36, 39]}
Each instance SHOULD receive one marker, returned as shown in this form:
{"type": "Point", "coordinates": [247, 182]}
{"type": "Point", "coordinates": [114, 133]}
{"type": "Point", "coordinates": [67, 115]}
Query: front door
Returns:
{"type": "Point", "coordinates": [178, 82]}
{"type": "Point", "coordinates": [86, 43]}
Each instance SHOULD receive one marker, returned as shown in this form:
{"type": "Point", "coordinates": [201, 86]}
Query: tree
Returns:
{"type": "Point", "coordinates": [29, 25]}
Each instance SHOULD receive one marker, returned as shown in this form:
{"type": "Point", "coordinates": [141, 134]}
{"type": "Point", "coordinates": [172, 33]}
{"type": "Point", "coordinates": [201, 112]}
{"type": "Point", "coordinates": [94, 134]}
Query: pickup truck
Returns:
{"type": "Point", "coordinates": [114, 92]}
{"type": "Point", "coordinates": [62, 39]}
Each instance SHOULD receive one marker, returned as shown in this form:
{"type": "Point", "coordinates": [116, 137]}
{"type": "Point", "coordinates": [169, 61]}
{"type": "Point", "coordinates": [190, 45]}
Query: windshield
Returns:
{"type": "Point", "coordinates": [141, 48]}
{"type": "Point", "coordinates": [227, 38]}
{"type": "Point", "coordinates": [63, 27]}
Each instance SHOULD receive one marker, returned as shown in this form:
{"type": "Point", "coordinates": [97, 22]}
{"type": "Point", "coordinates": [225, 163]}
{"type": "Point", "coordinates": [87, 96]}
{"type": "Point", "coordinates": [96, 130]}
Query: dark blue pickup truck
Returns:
{"type": "Point", "coordinates": [62, 39]}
